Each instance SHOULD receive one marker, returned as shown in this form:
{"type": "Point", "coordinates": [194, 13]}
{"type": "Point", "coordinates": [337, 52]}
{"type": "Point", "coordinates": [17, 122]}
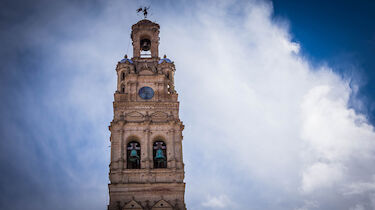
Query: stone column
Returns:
{"type": "Point", "coordinates": [161, 91]}
{"type": "Point", "coordinates": [122, 156]}
{"type": "Point", "coordinates": [111, 166]}
{"type": "Point", "coordinates": [147, 149]}
{"type": "Point", "coordinates": [115, 144]}
{"type": "Point", "coordinates": [172, 159]}
{"type": "Point", "coordinates": [157, 91]}
{"type": "Point", "coordinates": [135, 91]}
{"type": "Point", "coordinates": [179, 150]}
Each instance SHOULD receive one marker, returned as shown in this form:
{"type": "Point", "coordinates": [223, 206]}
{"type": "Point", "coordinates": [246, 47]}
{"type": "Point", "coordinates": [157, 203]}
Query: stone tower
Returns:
{"type": "Point", "coordinates": [146, 169]}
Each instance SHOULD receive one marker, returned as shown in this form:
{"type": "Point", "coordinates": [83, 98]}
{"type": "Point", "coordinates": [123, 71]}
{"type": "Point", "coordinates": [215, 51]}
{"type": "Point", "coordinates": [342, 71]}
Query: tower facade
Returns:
{"type": "Point", "coordinates": [146, 169]}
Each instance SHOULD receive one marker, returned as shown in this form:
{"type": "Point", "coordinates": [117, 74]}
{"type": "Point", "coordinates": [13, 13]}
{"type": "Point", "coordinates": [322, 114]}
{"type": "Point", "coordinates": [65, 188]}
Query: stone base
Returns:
{"type": "Point", "coordinates": [153, 196]}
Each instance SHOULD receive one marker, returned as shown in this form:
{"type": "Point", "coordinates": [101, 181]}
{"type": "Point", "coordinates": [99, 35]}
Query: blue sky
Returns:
{"type": "Point", "coordinates": [283, 90]}
{"type": "Point", "coordinates": [340, 33]}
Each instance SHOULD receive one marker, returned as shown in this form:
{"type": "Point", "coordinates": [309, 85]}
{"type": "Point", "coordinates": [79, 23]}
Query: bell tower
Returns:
{"type": "Point", "coordinates": [146, 169]}
{"type": "Point", "coordinates": [145, 37]}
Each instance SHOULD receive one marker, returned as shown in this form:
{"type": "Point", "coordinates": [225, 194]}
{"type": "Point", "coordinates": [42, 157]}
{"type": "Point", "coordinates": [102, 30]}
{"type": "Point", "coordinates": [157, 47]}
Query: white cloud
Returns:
{"type": "Point", "coordinates": [216, 202]}
{"type": "Point", "coordinates": [258, 114]}
{"type": "Point", "coordinates": [309, 205]}
{"type": "Point", "coordinates": [361, 187]}
{"type": "Point", "coordinates": [263, 127]}
{"type": "Point", "coordinates": [357, 207]}
{"type": "Point", "coordinates": [321, 175]}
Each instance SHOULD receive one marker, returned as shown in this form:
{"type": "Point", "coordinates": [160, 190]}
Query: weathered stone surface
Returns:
{"type": "Point", "coordinates": [146, 121]}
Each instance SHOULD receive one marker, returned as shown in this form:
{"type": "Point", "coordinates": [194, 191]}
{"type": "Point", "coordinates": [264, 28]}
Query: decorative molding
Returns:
{"type": "Point", "coordinates": [134, 116]}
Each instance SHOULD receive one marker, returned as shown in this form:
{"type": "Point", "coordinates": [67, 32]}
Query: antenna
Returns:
{"type": "Point", "coordinates": [144, 10]}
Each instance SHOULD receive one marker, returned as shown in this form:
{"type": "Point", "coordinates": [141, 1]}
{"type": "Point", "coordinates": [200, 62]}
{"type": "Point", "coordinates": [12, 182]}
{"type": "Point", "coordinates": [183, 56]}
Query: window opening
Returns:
{"type": "Point", "coordinates": [145, 48]}
{"type": "Point", "coordinates": [133, 155]}
{"type": "Point", "coordinates": [122, 76]}
{"type": "Point", "coordinates": [159, 154]}
{"type": "Point", "coordinates": [122, 89]}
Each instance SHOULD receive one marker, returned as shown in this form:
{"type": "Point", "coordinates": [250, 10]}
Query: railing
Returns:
{"type": "Point", "coordinates": [146, 54]}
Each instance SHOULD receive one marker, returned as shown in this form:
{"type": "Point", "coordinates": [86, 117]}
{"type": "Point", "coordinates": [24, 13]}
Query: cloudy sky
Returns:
{"type": "Point", "coordinates": [277, 98]}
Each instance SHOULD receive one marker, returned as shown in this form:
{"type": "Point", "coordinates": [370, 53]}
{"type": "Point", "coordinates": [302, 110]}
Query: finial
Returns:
{"type": "Point", "coordinates": [144, 10]}
{"type": "Point", "coordinates": [165, 56]}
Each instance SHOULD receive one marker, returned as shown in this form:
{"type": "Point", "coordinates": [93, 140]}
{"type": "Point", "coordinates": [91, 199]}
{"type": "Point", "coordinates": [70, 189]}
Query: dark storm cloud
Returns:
{"type": "Point", "coordinates": [35, 167]}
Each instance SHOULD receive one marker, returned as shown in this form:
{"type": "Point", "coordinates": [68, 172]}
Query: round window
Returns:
{"type": "Point", "coordinates": [146, 93]}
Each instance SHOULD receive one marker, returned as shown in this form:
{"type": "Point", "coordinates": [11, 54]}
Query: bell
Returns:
{"type": "Point", "coordinates": [159, 155]}
{"type": "Point", "coordinates": [145, 44]}
{"type": "Point", "coordinates": [133, 155]}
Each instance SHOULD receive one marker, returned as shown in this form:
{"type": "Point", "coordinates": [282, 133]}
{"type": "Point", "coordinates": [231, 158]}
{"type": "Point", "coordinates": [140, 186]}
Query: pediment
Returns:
{"type": "Point", "coordinates": [162, 205]}
{"type": "Point", "coordinates": [132, 205]}
{"type": "Point", "coordinates": [146, 72]}
{"type": "Point", "coordinates": [134, 116]}
{"type": "Point", "coordinates": [159, 116]}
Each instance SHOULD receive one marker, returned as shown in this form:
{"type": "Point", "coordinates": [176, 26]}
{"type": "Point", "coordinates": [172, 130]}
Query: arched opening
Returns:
{"type": "Point", "coordinates": [122, 88]}
{"type": "Point", "coordinates": [133, 155]}
{"type": "Point", "coordinates": [160, 154]}
{"type": "Point", "coordinates": [122, 76]}
{"type": "Point", "coordinates": [145, 46]}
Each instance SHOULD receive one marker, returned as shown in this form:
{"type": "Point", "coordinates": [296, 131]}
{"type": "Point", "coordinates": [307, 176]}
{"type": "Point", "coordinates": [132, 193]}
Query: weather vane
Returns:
{"type": "Point", "coordinates": [144, 10]}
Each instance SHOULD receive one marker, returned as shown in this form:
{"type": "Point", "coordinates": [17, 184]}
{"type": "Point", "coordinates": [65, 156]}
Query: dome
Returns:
{"type": "Point", "coordinates": [145, 21]}
{"type": "Point", "coordinates": [165, 59]}
{"type": "Point", "coordinates": [126, 59]}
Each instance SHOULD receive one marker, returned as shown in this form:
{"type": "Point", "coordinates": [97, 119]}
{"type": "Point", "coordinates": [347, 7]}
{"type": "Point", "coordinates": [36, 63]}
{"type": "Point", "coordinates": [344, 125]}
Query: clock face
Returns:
{"type": "Point", "coordinates": [146, 93]}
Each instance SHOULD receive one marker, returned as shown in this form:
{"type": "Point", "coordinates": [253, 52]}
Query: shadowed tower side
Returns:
{"type": "Point", "coordinates": [146, 169]}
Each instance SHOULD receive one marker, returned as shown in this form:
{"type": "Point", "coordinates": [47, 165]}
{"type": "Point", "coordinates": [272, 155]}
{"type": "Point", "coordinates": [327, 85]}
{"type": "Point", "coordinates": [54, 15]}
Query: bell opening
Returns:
{"type": "Point", "coordinates": [160, 154]}
{"type": "Point", "coordinates": [133, 155]}
{"type": "Point", "coordinates": [145, 48]}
